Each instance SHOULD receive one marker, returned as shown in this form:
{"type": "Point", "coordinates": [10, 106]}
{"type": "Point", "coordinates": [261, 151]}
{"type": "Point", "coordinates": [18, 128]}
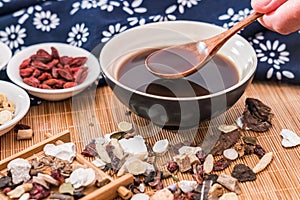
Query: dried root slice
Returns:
{"type": "Point", "coordinates": [5, 116]}
{"type": "Point", "coordinates": [230, 154]}
{"type": "Point", "coordinates": [125, 126]}
{"type": "Point", "coordinates": [136, 166]}
{"type": "Point", "coordinates": [20, 190]}
{"type": "Point", "coordinates": [229, 196]}
{"type": "Point", "coordinates": [66, 188]}
{"type": "Point", "coordinates": [229, 182]}
{"type": "Point", "coordinates": [164, 194]}
{"type": "Point", "coordinates": [161, 146]}
{"type": "Point", "coordinates": [208, 164]}
{"type": "Point", "coordinates": [215, 191]}
{"type": "Point", "coordinates": [263, 162]}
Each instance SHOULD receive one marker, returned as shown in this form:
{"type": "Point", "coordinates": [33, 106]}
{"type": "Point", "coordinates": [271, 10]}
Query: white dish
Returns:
{"type": "Point", "coordinates": [5, 55]}
{"type": "Point", "coordinates": [21, 100]}
{"type": "Point", "coordinates": [64, 50]}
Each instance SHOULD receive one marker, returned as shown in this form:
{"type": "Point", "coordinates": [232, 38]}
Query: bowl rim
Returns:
{"type": "Point", "coordinates": [191, 23]}
{"type": "Point", "coordinates": [8, 51]}
{"type": "Point", "coordinates": [86, 83]}
{"type": "Point", "coordinates": [25, 104]}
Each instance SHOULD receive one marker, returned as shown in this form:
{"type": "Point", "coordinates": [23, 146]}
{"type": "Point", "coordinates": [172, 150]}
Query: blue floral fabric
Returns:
{"type": "Point", "coordinates": [87, 23]}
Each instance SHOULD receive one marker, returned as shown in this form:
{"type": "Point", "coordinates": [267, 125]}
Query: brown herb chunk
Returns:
{"type": "Point", "coordinates": [243, 173]}
{"type": "Point", "coordinates": [256, 116]}
{"type": "Point", "coordinates": [225, 141]}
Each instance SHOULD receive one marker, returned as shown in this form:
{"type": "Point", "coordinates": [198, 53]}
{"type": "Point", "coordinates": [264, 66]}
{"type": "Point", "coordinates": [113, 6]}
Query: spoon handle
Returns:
{"type": "Point", "coordinates": [220, 39]}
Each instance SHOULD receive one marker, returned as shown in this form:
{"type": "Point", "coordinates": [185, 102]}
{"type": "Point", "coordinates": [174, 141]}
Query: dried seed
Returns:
{"type": "Point", "coordinates": [208, 164]}
{"type": "Point", "coordinates": [263, 162]}
{"type": "Point", "coordinates": [230, 154]}
{"type": "Point", "coordinates": [259, 151]}
{"type": "Point", "coordinates": [172, 166]}
{"type": "Point", "coordinates": [221, 164]}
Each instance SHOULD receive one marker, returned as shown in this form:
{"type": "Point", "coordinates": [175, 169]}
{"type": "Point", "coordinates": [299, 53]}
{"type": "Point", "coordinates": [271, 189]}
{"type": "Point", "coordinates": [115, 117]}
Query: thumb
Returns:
{"type": "Point", "coordinates": [266, 6]}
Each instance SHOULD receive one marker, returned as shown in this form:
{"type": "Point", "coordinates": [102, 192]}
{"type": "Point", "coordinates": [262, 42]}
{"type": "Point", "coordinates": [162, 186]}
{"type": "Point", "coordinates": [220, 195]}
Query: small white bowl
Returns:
{"type": "Point", "coordinates": [5, 55]}
{"type": "Point", "coordinates": [21, 100]}
{"type": "Point", "coordinates": [63, 50]}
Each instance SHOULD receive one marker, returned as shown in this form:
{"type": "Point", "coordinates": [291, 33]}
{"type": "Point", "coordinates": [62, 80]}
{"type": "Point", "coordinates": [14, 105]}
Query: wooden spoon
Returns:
{"type": "Point", "coordinates": [182, 60]}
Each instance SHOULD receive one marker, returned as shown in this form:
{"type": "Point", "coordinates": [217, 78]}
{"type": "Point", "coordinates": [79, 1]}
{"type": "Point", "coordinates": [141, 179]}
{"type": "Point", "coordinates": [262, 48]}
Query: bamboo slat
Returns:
{"type": "Point", "coordinates": [90, 115]}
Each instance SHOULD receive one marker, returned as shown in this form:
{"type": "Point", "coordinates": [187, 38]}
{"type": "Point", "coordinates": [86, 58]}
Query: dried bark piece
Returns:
{"type": "Point", "coordinates": [229, 182]}
{"type": "Point", "coordinates": [243, 173]}
{"type": "Point", "coordinates": [256, 116]}
{"type": "Point", "coordinates": [263, 162]}
{"type": "Point", "coordinates": [215, 192]}
{"type": "Point", "coordinates": [25, 134]}
{"type": "Point", "coordinates": [183, 162]}
{"type": "Point", "coordinates": [249, 140]}
{"type": "Point", "coordinates": [225, 141]}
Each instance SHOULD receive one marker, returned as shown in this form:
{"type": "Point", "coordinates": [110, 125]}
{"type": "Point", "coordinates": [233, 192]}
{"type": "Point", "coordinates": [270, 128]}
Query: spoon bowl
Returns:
{"type": "Point", "coordinates": [185, 59]}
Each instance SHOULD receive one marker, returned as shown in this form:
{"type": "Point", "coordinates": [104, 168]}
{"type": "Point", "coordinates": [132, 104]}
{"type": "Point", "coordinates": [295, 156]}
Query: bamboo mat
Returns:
{"type": "Point", "coordinates": [97, 112]}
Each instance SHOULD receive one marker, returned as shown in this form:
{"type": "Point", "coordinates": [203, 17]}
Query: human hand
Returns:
{"type": "Point", "coordinates": [282, 16]}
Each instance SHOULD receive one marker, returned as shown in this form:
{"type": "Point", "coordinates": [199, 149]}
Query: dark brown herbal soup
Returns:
{"type": "Point", "coordinates": [217, 75]}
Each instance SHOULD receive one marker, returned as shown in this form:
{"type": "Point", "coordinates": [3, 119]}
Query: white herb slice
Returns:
{"type": "Point", "coordinates": [263, 162]}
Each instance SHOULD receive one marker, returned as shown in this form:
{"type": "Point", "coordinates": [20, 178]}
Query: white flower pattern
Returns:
{"type": "Point", "coordinates": [134, 7]}
{"type": "Point", "coordinates": [167, 16]}
{"type": "Point", "coordinates": [45, 21]}
{"type": "Point", "coordinates": [3, 2]}
{"type": "Point", "coordinates": [234, 17]}
{"type": "Point", "coordinates": [112, 30]}
{"type": "Point", "coordinates": [275, 54]}
{"type": "Point", "coordinates": [13, 36]}
{"type": "Point", "coordinates": [78, 35]}
{"type": "Point", "coordinates": [186, 3]}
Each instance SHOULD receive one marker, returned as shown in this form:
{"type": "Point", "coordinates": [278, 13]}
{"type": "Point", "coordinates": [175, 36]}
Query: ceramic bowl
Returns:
{"type": "Point", "coordinates": [21, 101]}
{"type": "Point", "coordinates": [5, 55]}
{"type": "Point", "coordinates": [177, 111]}
{"type": "Point", "coordinates": [64, 50]}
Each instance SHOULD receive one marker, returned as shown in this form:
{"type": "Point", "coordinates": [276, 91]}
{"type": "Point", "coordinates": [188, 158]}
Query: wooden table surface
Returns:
{"type": "Point", "coordinates": [97, 112]}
